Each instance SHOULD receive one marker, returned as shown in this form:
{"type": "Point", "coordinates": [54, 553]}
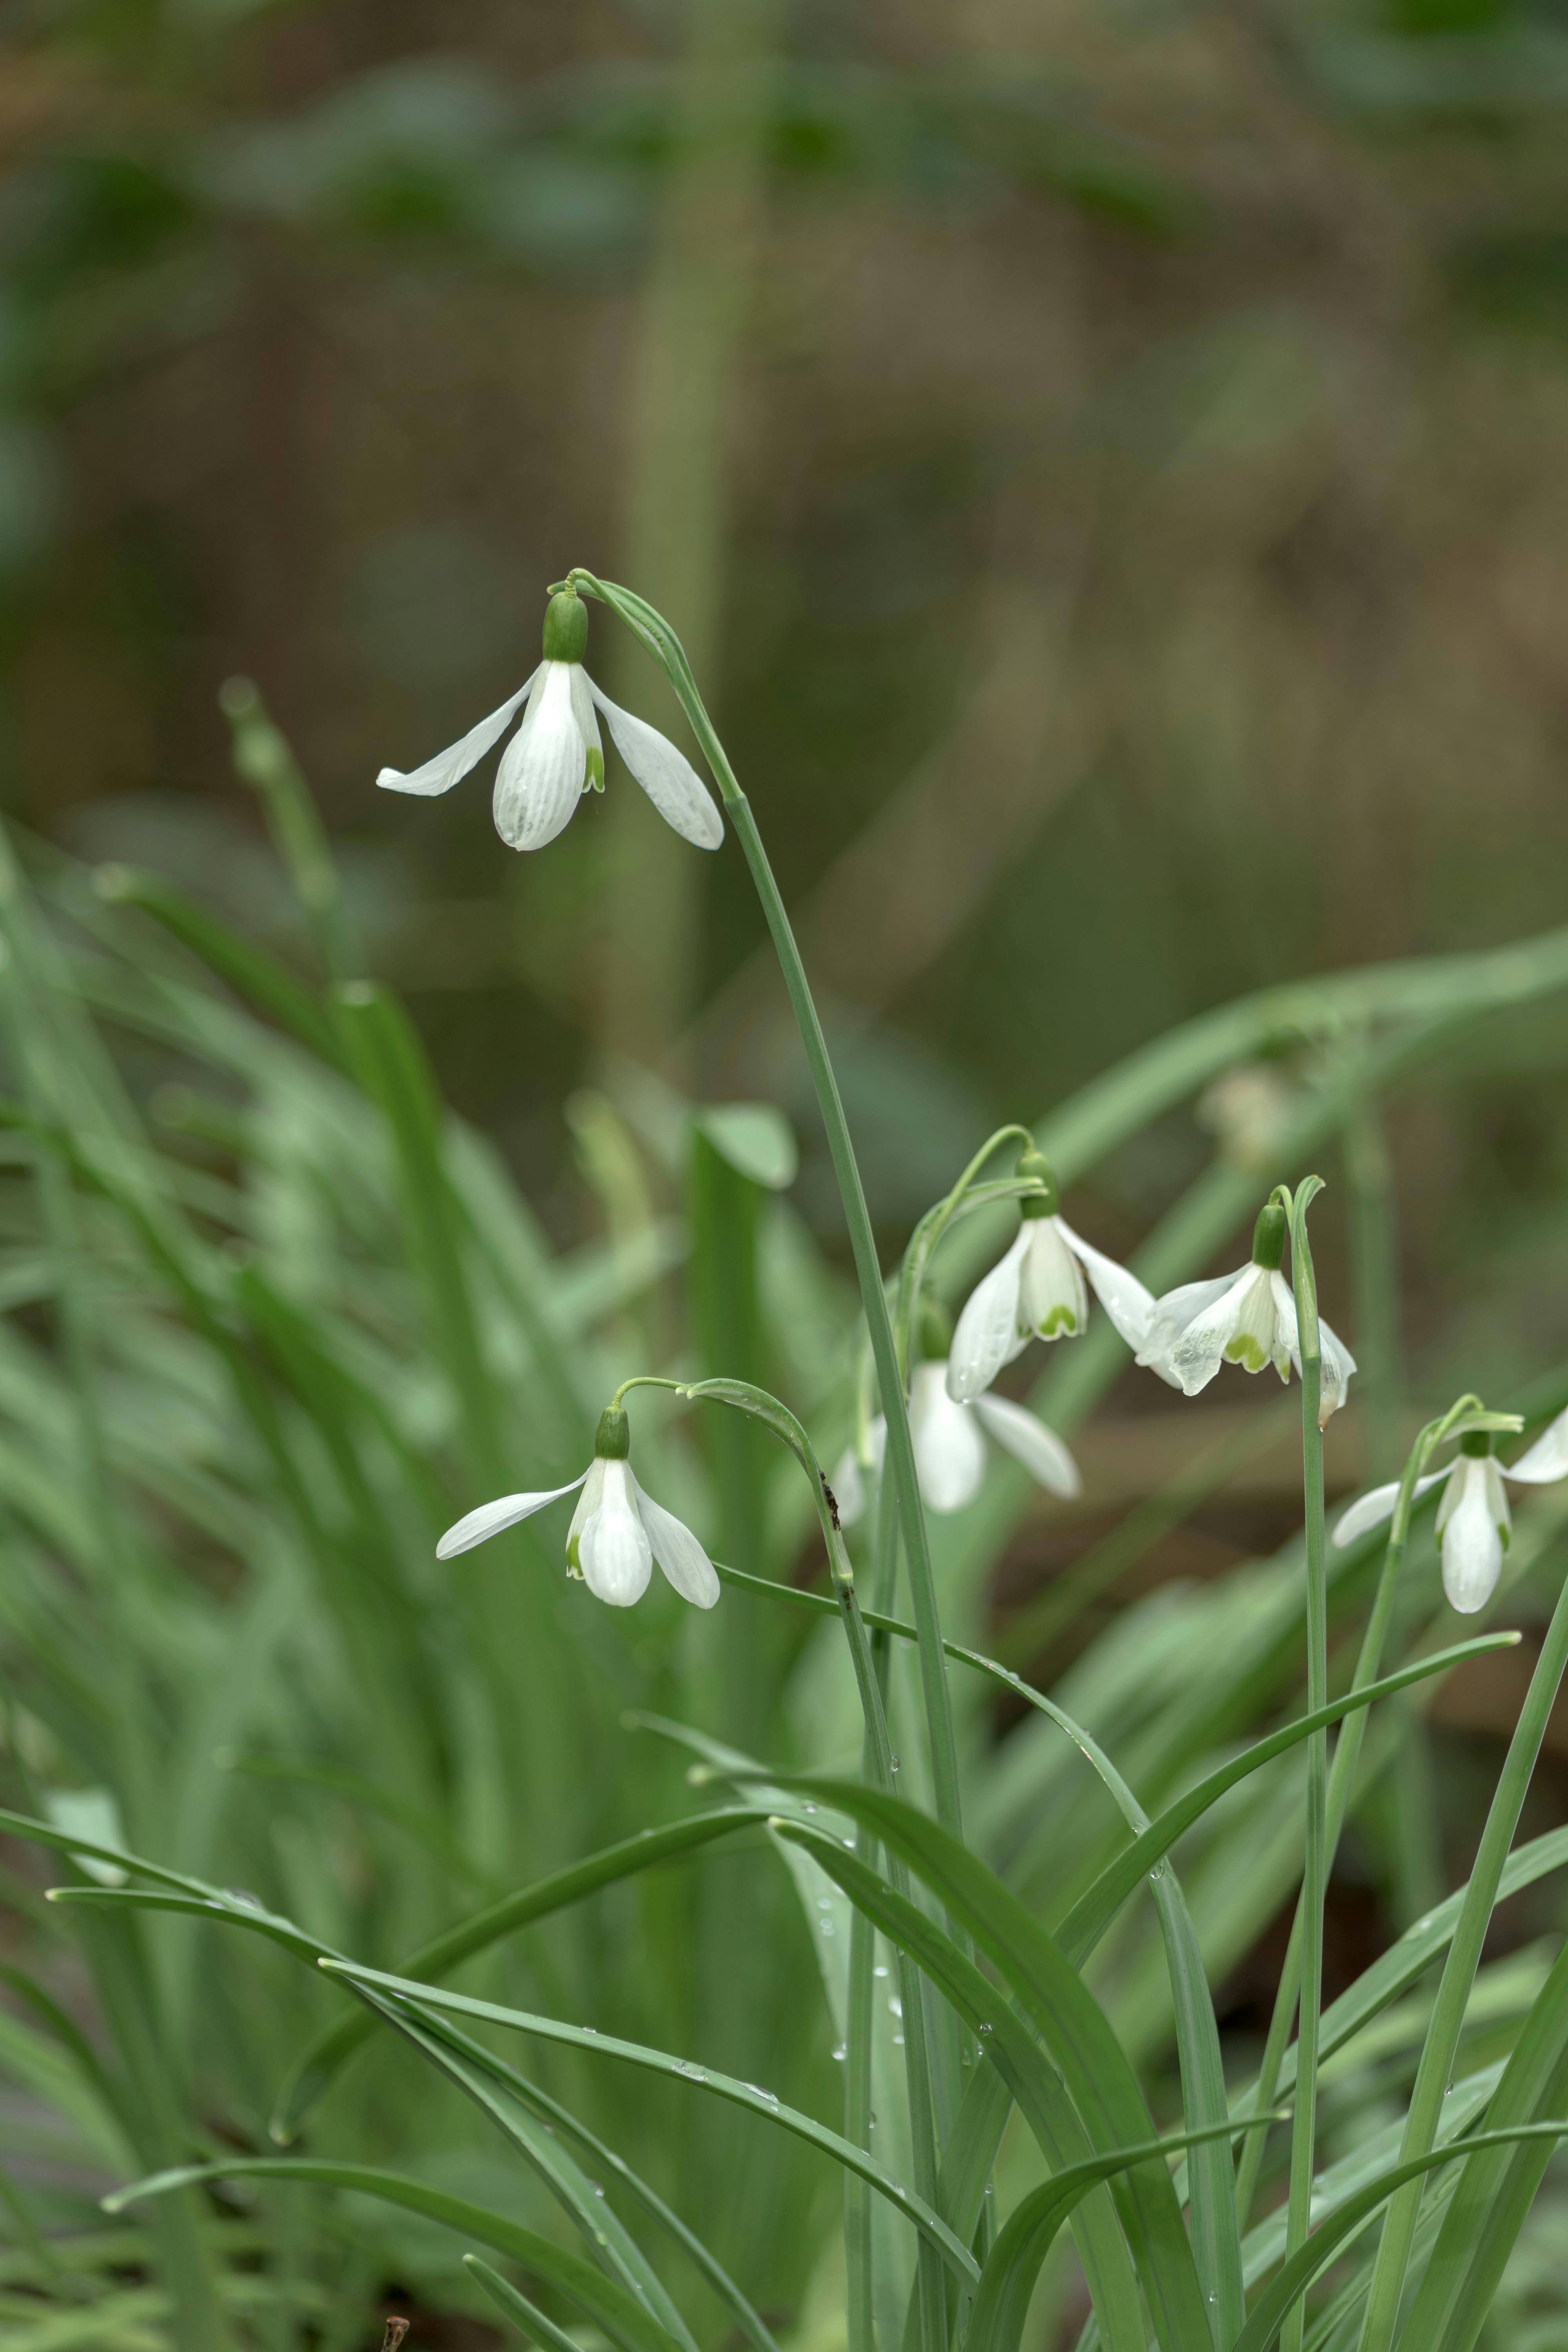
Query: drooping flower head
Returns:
{"type": "Point", "coordinates": [556, 754]}
{"type": "Point", "coordinates": [1038, 1292]}
{"type": "Point", "coordinates": [1475, 1524]}
{"type": "Point", "coordinates": [617, 1530]}
{"type": "Point", "coordinates": [949, 1437]}
{"type": "Point", "coordinates": [1248, 1318]}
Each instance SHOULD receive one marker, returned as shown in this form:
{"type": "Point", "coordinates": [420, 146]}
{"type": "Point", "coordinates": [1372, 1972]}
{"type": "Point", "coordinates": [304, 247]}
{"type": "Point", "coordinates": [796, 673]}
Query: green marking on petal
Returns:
{"type": "Point", "coordinates": [1244, 1350]}
{"type": "Point", "coordinates": [594, 779]}
{"type": "Point", "coordinates": [1060, 1323]}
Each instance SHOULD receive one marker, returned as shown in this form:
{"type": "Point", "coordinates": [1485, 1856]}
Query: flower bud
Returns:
{"type": "Point", "coordinates": [613, 1438]}
{"type": "Point", "coordinates": [565, 627]}
{"type": "Point", "coordinates": [1033, 1166]}
{"type": "Point", "coordinates": [1268, 1236]}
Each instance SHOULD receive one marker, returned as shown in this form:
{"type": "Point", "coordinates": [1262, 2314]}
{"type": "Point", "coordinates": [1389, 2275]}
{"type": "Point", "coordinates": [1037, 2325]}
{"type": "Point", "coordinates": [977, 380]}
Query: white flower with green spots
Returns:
{"type": "Point", "coordinates": [1248, 1318]}
{"type": "Point", "coordinates": [1037, 1291]}
{"type": "Point", "coordinates": [1474, 1522]}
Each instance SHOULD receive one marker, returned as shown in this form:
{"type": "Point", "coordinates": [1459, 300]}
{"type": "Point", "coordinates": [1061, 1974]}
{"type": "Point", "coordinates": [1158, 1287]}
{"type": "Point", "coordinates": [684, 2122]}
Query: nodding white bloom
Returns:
{"type": "Point", "coordinates": [1474, 1523]}
{"type": "Point", "coordinates": [1036, 1292]}
{"type": "Point", "coordinates": [1248, 1318]}
{"type": "Point", "coordinates": [557, 753]}
{"type": "Point", "coordinates": [616, 1533]}
{"type": "Point", "coordinates": [950, 1446]}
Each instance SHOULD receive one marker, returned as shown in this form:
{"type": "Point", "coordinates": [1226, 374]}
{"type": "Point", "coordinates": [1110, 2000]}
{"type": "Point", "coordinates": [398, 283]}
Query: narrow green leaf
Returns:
{"type": "Point", "coordinates": [1295, 2277]}
{"type": "Point", "coordinates": [724, 2086]}
{"type": "Point", "coordinates": [247, 968]}
{"type": "Point", "coordinates": [1497, 2188]}
{"type": "Point", "coordinates": [1012, 2266]}
{"type": "Point", "coordinates": [517, 2307]}
{"type": "Point", "coordinates": [1066, 2118]}
{"type": "Point", "coordinates": [1092, 1914]}
{"type": "Point", "coordinates": [317, 2065]}
{"type": "Point", "coordinates": [616, 2310]}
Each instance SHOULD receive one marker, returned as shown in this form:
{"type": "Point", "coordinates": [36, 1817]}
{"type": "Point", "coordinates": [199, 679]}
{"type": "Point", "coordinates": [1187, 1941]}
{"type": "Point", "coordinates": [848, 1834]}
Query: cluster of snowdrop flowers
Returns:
{"type": "Point", "coordinates": [616, 1533]}
{"type": "Point", "coordinates": [1038, 1291]}
{"type": "Point", "coordinates": [1474, 1524]}
{"type": "Point", "coordinates": [556, 754]}
{"type": "Point", "coordinates": [948, 1435]}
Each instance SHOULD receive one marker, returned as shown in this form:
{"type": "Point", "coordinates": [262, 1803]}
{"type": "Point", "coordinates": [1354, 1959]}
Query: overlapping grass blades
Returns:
{"type": "Point", "coordinates": [281, 1316]}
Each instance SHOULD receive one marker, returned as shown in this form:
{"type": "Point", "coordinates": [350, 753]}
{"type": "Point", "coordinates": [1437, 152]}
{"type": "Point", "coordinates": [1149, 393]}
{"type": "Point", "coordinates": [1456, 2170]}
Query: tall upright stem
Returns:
{"type": "Point", "coordinates": [901, 1452]}
{"type": "Point", "coordinates": [1304, 2135]}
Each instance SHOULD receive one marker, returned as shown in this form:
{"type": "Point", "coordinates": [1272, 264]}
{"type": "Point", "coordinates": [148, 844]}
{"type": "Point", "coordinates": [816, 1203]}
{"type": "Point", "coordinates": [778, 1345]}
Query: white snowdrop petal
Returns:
{"type": "Point", "coordinates": [987, 1333]}
{"type": "Point", "coordinates": [587, 719]}
{"type": "Point", "coordinates": [1197, 1354]}
{"type": "Point", "coordinates": [1339, 1365]}
{"type": "Point", "coordinates": [1546, 1460]}
{"type": "Point", "coordinates": [1371, 1509]}
{"type": "Point", "coordinates": [450, 766]}
{"type": "Point", "coordinates": [1052, 1301]}
{"type": "Point", "coordinates": [1472, 1543]}
{"type": "Point", "coordinates": [1130, 1306]}
{"type": "Point", "coordinates": [1028, 1440]}
{"type": "Point", "coordinates": [849, 1485]}
{"type": "Point", "coordinates": [666, 775]}
{"type": "Point", "coordinates": [1283, 1343]}
{"type": "Point", "coordinates": [491, 1517]}
{"type": "Point", "coordinates": [950, 1453]}
{"type": "Point", "coordinates": [677, 1550]}
{"type": "Point", "coordinates": [539, 780]}
{"type": "Point", "coordinates": [615, 1555]}
{"type": "Point", "coordinates": [1178, 1309]}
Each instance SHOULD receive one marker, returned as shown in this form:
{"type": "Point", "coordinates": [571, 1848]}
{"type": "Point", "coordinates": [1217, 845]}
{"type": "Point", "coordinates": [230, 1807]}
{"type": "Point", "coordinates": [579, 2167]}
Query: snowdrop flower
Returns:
{"type": "Point", "coordinates": [950, 1444]}
{"type": "Point", "coordinates": [557, 753]}
{"type": "Point", "coordinates": [1247, 1318]}
{"type": "Point", "coordinates": [1474, 1524]}
{"type": "Point", "coordinates": [616, 1532]}
{"type": "Point", "coordinates": [1036, 1292]}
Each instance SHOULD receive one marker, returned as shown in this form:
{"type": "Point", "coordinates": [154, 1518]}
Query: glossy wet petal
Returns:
{"type": "Point", "coordinates": [488, 1520]}
{"type": "Point", "coordinates": [450, 766]}
{"type": "Point", "coordinates": [987, 1333]}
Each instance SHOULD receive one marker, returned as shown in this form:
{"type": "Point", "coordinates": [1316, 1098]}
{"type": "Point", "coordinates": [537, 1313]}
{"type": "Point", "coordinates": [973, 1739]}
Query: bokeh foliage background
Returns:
{"type": "Point", "coordinates": [1109, 467]}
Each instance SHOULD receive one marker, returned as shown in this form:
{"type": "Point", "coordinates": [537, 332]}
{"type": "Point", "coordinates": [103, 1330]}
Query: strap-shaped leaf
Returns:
{"type": "Point", "coordinates": [609, 2240]}
{"type": "Point", "coordinates": [1012, 2266]}
{"type": "Point", "coordinates": [1309, 2260]}
{"type": "Point", "coordinates": [1403, 1963]}
{"type": "Point", "coordinates": [320, 2062]}
{"type": "Point", "coordinates": [567, 2125]}
{"type": "Point", "coordinates": [603, 2299]}
{"type": "Point", "coordinates": [518, 2308]}
{"type": "Point", "coordinates": [1093, 1912]}
{"type": "Point", "coordinates": [1101, 2086]}
{"type": "Point", "coordinates": [724, 2086]}
{"type": "Point", "coordinates": [1498, 2186]}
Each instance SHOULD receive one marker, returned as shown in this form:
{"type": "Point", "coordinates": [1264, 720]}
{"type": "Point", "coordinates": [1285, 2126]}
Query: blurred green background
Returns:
{"type": "Point", "coordinates": [1108, 466]}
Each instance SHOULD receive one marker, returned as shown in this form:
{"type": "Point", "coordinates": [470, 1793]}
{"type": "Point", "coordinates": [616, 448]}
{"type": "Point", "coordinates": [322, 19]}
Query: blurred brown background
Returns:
{"type": "Point", "coordinates": [1108, 464]}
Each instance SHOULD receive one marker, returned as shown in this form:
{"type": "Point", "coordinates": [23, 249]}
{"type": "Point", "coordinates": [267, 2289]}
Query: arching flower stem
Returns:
{"type": "Point", "coordinates": [664, 646]}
